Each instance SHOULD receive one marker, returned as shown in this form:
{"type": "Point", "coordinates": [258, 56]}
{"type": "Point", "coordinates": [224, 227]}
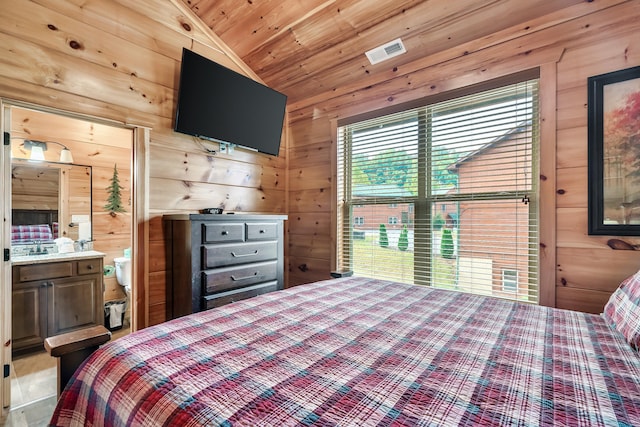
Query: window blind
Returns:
{"type": "Point", "coordinates": [444, 195]}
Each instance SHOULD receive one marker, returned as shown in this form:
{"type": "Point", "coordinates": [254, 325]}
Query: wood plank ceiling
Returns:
{"type": "Point", "coordinates": [310, 48]}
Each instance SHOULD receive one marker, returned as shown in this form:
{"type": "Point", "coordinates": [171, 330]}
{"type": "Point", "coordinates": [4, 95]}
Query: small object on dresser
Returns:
{"type": "Point", "coordinates": [212, 211]}
{"type": "Point", "coordinates": [338, 274]}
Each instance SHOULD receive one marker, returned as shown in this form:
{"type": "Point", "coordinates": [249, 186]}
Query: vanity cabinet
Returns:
{"type": "Point", "coordinates": [218, 259]}
{"type": "Point", "coordinates": [52, 298]}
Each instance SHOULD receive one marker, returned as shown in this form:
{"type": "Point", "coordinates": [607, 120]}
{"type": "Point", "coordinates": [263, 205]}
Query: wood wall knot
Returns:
{"type": "Point", "coordinates": [52, 27]}
{"type": "Point", "coordinates": [186, 26]}
{"type": "Point", "coordinates": [563, 281]}
{"type": "Point", "coordinates": [618, 244]}
{"type": "Point", "coordinates": [560, 191]}
{"type": "Point", "coordinates": [303, 267]}
{"type": "Point", "coordinates": [74, 44]}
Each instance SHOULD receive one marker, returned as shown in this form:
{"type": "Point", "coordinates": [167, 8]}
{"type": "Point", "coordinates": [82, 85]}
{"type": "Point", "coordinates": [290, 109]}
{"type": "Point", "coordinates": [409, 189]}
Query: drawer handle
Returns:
{"type": "Point", "coordinates": [90, 267]}
{"type": "Point", "coordinates": [243, 255]}
{"type": "Point", "coordinates": [237, 279]}
{"type": "Point", "coordinates": [263, 231]}
{"type": "Point", "coordinates": [225, 232]}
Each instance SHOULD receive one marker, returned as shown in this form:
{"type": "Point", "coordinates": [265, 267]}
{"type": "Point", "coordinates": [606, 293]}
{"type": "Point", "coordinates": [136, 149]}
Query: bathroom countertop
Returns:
{"type": "Point", "coordinates": [53, 257]}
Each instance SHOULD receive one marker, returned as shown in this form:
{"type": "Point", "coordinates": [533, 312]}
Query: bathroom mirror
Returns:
{"type": "Point", "coordinates": [49, 200]}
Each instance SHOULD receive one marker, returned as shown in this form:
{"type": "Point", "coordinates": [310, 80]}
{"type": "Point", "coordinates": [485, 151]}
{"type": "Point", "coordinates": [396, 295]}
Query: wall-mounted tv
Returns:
{"type": "Point", "coordinates": [219, 104]}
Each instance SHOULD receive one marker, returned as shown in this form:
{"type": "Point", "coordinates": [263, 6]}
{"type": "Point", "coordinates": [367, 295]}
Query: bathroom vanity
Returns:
{"type": "Point", "coordinates": [53, 294]}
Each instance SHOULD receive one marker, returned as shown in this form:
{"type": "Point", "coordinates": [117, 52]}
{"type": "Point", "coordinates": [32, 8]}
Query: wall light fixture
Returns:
{"type": "Point", "coordinates": [39, 147]}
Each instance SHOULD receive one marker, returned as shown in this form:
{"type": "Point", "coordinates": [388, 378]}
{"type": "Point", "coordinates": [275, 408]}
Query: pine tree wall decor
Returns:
{"type": "Point", "coordinates": [114, 201]}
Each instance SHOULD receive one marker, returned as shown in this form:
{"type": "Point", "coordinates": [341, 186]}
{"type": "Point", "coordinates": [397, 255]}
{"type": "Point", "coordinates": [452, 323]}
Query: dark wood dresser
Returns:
{"type": "Point", "coordinates": [218, 259]}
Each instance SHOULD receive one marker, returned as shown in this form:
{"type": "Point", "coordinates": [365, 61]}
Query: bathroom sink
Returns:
{"type": "Point", "coordinates": [31, 258]}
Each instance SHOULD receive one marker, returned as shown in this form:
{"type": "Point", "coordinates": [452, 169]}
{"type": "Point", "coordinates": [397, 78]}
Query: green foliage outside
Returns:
{"type": "Point", "coordinates": [438, 222]}
{"type": "Point", "coordinates": [389, 167]}
{"type": "Point", "coordinates": [370, 260]}
{"type": "Point", "coordinates": [399, 168]}
{"type": "Point", "coordinates": [443, 178]}
{"type": "Point", "coordinates": [384, 239]}
{"type": "Point", "coordinates": [446, 244]}
{"type": "Point", "coordinates": [403, 240]}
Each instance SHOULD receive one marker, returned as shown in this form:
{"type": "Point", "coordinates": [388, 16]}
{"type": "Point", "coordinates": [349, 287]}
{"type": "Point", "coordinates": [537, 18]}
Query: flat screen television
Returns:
{"type": "Point", "coordinates": [219, 104]}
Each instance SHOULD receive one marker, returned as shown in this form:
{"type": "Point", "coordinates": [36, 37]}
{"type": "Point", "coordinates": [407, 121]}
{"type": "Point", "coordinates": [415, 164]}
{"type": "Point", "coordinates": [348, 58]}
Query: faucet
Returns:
{"type": "Point", "coordinates": [82, 243]}
{"type": "Point", "coordinates": [39, 250]}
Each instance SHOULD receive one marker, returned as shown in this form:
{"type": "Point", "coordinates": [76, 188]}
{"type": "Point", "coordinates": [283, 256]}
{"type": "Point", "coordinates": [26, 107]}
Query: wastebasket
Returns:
{"type": "Point", "coordinates": [114, 314]}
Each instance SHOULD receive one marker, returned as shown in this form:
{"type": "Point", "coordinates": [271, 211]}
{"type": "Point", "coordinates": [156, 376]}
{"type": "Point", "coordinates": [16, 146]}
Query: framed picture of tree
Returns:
{"type": "Point", "coordinates": [614, 153]}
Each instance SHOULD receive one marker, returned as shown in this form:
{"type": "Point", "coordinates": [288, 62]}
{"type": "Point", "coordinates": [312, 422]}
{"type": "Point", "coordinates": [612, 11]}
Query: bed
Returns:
{"type": "Point", "coordinates": [365, 352]}
{"type": "Point", "coordinates": [29, 225]}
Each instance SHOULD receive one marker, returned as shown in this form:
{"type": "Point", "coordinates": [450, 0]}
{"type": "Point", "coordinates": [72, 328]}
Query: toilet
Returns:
{"type": "Point", "coordinates": [123, 276]}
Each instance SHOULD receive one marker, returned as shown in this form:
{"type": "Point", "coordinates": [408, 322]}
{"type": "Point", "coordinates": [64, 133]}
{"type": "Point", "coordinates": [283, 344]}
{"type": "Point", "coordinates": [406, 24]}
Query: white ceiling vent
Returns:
{"type": "Point", "coordinates": [386, 51]}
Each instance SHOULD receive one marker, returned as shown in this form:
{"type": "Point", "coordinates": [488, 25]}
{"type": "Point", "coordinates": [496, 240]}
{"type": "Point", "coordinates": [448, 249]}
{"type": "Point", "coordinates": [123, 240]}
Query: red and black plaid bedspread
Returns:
{"type": "Point", "coordinates": [362, 352]}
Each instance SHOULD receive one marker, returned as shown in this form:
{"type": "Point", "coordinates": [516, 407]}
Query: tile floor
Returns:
{"type": "Point", "coordinates": [33, 378]}
{"type": "Point", "coordinates": [33, 388]}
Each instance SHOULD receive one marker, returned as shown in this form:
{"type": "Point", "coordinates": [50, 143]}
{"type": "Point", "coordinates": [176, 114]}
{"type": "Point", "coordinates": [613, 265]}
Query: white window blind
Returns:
{"type": "Point", "coordinates": [458, 179]}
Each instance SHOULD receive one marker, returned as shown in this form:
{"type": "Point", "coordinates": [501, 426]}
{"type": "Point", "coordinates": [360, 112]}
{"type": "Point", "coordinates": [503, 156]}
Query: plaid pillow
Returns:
{"type": "Point", "coordinates": [622, 311]}
{"type": "Point", "coordinates": [30, 233]}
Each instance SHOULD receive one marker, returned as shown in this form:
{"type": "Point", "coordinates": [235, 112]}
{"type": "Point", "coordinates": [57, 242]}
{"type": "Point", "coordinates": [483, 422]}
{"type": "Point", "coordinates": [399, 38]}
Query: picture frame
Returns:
{"type": "Point", "coordinates": [614, 153]}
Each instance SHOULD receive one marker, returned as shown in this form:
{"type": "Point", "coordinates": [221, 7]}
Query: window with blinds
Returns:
{"type": "Point", "coordinates": [445, 195]}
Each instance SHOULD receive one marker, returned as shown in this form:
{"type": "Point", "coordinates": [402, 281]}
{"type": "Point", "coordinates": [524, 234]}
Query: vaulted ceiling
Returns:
{"type": "Point", "coordinates": [310, 48]}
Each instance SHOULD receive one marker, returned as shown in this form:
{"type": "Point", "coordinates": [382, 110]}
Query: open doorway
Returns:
{"type": "Point", "coordinates": [84, 213]}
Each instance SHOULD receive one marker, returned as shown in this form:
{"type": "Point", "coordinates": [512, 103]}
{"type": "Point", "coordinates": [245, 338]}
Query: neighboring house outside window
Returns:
{"type": "Point", "coordinates": [509, 280]}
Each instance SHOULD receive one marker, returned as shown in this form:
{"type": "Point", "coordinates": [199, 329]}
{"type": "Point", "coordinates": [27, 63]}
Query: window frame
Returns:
{"type": "Point", "coordinates": [504, 280]}
{"type": "Point", "coordinates": [420, 204]}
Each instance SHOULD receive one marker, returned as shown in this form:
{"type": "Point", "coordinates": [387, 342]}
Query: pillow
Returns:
{"type": "Point", "coordinates": [622, 311]}
{"type": "Point", "coordinates": [30, 233]}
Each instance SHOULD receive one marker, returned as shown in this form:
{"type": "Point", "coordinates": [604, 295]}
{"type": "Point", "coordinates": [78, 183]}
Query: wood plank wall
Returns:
{"type": "Point", "coordinates": [120, 60]}
{"type": "Point", "coordinates": [588, 39]}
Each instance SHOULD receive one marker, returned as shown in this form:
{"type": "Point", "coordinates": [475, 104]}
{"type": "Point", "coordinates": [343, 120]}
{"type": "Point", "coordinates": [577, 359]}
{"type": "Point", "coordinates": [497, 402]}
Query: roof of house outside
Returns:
{"type": "Point", "coordinates": [505, 137]}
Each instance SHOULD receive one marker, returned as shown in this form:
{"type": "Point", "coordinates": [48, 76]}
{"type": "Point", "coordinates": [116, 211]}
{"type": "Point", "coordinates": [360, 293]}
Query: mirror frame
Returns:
{"type": "Point", "coordinates": [64, 214]}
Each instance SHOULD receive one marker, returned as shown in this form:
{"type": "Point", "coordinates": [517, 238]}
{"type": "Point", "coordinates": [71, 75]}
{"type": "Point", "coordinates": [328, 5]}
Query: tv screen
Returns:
{"type": "Point", "coordinates": [218, 104]}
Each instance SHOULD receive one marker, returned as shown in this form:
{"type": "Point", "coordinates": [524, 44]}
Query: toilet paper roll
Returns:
{"type": "Point", "coordinates": [109, 270]}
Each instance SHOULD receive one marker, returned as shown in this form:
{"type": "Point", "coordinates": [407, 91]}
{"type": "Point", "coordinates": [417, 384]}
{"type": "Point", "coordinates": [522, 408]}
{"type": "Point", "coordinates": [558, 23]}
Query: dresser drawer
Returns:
{"type": "Point", "coordinates": [224, 279]}
{"type": "Point", "coordinates": [262, 231]}
{"type": "Point", "coordinates": [222, 255]}
{"type": "Point", "coordinates": [50, 270]}
{"type": "Point", "coordinates": [217, 300]}
{"type": "Point", "coordinates": [213, 232]}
